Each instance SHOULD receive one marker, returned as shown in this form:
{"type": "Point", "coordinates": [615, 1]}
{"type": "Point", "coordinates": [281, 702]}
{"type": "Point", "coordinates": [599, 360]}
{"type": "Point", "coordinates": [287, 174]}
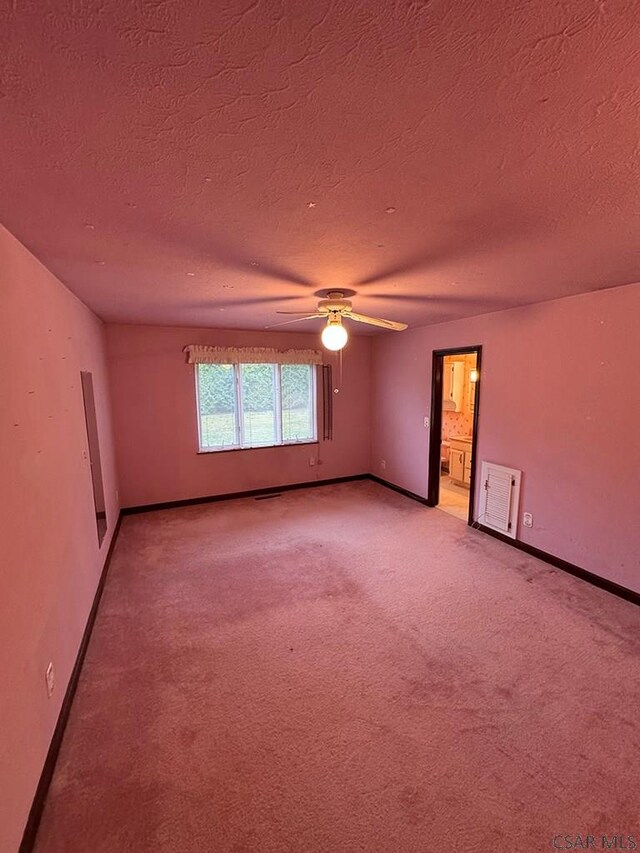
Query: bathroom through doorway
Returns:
{"type": "Point", "coordinates": [455, 390]}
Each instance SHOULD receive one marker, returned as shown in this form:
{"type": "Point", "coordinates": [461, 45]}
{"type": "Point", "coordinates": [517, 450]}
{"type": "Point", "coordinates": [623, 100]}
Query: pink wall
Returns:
{"type": "Point", "coordinates": [155, 424]}
{"type": "Point", "coordinates": [49, 555]}
{"type": "Point", "coordinates": [560, 400]}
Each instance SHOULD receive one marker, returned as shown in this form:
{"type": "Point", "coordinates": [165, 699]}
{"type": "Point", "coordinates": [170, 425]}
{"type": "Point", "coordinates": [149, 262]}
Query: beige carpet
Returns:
{"type": "Point", "coordinates": [342, 669]}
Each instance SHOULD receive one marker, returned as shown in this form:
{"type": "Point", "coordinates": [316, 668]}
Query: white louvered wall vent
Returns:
{"type": "Point", "coordinates": [499, 498]}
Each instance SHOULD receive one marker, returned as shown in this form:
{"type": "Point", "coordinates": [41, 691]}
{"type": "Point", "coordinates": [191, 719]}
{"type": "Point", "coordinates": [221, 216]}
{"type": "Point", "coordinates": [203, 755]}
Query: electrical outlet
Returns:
{"type": "Point", "coordinates": [312, 461]}
{"type": "Point", "coordinates": [50, 679]}
{"type": "Point", "coordinates": [527, 519]}
{"type": "Point", "coordinates": [426, 423]}
{"type": "Point", "coordinates": [383, 464]}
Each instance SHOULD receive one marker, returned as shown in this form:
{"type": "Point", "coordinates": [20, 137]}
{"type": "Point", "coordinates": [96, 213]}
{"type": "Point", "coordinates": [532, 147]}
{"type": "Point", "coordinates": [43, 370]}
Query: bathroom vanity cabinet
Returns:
{"type": "Point", "coordinates": [460, 455]}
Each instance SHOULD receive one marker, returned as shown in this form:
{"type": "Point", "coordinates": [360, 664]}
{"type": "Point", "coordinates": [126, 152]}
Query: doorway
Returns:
{"type": "Point", "coordinates": [455, 395]}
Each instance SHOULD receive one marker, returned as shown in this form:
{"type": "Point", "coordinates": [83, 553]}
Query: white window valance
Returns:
{"type": "Point", "coordinates": [199, 354]}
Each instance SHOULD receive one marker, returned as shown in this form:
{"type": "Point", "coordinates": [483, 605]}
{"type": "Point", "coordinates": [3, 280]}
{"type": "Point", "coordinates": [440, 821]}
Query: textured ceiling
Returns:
{"type": "Point", "coordinates": [209, 163]}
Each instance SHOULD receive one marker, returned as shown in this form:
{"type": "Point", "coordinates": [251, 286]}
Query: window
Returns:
{"type": "Point", "coordinates": [255, 405]}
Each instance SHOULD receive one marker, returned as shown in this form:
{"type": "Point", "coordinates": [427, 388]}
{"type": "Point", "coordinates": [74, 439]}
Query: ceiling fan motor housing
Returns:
{"type": "Point", "coordinates": [334, 304]}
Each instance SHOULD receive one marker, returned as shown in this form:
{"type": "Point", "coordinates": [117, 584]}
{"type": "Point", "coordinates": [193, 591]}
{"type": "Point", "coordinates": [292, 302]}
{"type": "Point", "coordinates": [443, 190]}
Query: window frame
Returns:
{"type": "Point", "coordinates": [238, 411]}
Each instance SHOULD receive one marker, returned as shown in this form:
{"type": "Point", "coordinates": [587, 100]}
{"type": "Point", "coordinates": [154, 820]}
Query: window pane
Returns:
{"type": "Point", "coordinates": [258, 404]}
{"type": "Point", "coordinates": [297, 402]}
{"type": "Point", "coordinates": [217, 405]}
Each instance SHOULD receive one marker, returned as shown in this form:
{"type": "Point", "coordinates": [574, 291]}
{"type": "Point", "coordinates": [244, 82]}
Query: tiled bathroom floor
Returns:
{"type": "Point", "coordinates": [453, 499]}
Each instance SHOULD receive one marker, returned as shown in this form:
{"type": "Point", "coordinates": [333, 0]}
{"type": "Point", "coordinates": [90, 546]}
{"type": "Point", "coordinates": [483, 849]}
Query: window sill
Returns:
{"type": "Point", "coordinates": [264, 447]}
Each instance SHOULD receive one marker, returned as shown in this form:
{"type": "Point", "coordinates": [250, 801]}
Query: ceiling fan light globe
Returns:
{"type": "Point", "coordinates": [334, 336]}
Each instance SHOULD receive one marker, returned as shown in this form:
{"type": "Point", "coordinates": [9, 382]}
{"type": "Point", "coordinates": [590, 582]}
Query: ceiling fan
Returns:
{"type": "Point", "coordinates": [335, 308]}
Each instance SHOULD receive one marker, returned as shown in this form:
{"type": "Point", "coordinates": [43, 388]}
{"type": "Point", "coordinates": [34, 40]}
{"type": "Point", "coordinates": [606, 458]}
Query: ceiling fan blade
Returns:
{"type": "Point", "coordinates": [376, 321]}
{"type": "Point", "coordinates": [298, 313]}
{"type": "Point", "coordinates": [297, 320]}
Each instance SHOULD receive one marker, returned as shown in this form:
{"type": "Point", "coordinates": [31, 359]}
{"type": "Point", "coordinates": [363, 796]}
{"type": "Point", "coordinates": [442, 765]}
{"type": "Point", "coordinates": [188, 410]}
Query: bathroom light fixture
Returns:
{"type": "Point", "coordinates": [334, 335]}
{"type": "Point", "coordinates": [473, 375]}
